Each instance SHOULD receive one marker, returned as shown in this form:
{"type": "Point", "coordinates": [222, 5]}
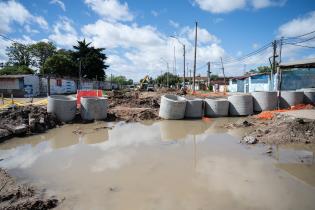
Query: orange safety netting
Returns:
{"type": "Point", "coordinates": [81, 93]}
{"type": "Point", "coordinates": [268, 115]}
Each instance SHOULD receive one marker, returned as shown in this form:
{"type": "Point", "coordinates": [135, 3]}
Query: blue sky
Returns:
{"type": "Point", "coordinates": [136, 33]}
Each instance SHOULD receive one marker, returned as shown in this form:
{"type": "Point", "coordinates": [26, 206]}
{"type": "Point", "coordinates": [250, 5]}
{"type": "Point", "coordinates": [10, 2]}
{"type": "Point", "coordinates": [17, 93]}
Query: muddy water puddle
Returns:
{"type": "Point", "coordinates": [162, 165]}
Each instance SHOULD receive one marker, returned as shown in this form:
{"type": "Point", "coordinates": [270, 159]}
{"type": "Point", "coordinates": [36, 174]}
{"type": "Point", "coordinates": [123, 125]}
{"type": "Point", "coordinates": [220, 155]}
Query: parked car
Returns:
{"type": "Point", "coordinates": [150, 87]}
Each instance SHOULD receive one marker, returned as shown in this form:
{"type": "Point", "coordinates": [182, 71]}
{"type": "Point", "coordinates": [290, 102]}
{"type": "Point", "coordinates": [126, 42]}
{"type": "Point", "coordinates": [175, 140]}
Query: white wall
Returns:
{"type": "Point", "coordinates": [67, 86]}
{"type": "Point", "coordinates": [31, 85]}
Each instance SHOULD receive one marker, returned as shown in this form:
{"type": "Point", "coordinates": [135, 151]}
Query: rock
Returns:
{"type": "Point", "coordinates": [246, 123]}
{"type": "Point", "coordinates": [250, 140]}
{"type": "Point", "coordinates": [4, 134]}
{"type": "Point", "coordinates": [269, 151]}
{"type": "Point", "coordinates": [17, 129]}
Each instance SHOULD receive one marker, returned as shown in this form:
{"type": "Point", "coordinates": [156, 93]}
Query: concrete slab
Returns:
{"type": "Point", "coordinates": [305, 113]}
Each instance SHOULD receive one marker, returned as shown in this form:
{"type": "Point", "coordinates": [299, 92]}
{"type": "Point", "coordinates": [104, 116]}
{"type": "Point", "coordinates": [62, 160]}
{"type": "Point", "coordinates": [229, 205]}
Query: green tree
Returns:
{"type": "Point", "coordinates": [92, 60]}
{"type": "Point", "coordinates": [61, 63]}
{"type": "Point", "coordinates": [260, 69]}
{"type": "Point", "coordinates": [41, 51]}
{"type": "Point", "coordinates": [19, 54]}
{"type": "Point", "coordinates": [121, 80]}
{"type": "Point", "coordinates": [11, 70]}
{"type": "Point", "coordinates": [173, 79]}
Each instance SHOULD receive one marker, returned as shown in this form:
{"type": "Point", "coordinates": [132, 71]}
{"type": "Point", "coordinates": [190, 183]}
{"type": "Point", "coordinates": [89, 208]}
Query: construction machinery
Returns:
{"type": "Point", "coordinates": [145, 84]}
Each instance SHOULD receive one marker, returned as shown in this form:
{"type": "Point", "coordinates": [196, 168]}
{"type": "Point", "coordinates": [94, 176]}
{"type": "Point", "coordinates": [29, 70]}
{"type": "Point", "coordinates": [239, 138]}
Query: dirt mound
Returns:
{"type": "Point", "coordinates": [283, 131]}
{"type": "Point", "coordinates": [19, 121]}
{"type": "Point", "coordinates": [133, 114]}
{"type": "Point", "coordinates": [20, 196]}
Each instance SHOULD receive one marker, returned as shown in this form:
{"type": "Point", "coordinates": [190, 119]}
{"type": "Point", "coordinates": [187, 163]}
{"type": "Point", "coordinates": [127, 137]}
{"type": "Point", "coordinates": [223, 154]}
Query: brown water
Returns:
{"type": "Point", "coordinates": [162, 165]}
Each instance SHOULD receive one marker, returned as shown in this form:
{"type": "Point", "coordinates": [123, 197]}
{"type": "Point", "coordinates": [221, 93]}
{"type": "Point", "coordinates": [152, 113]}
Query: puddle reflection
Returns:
{"type": "Point", "coordinates": [162, 165]}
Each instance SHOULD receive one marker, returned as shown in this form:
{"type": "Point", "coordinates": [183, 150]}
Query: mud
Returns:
{"type": "Point", "coordinates": [21, 121]}
{"type": "Point", "coordinates": [16, 196]}
{"type": "Point", "coordinates": [282, 129]}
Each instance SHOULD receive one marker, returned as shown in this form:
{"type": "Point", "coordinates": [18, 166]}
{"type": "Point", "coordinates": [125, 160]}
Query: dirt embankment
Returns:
{"type": "Point", "coordinates": [135, 106]}
{"type": "Point", "coordinates": [281, 129]}
{"type": "Point", "coordinates": [15, 196]}
{"type": "Point", "coordinates": [20, 121]}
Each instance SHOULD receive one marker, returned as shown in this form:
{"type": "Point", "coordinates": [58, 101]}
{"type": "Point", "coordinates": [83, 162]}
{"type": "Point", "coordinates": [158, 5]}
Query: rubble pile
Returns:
{"type": "Point", "coordinates": [20, 121]}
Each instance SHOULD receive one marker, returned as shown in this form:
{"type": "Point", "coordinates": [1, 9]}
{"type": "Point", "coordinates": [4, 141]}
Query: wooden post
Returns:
{"type": "Point", "coordinates": [48, 85]}
{"type": "Point", "coordinates": [2, 98]}
{"type": "Point", "coordinates": [12, 101]}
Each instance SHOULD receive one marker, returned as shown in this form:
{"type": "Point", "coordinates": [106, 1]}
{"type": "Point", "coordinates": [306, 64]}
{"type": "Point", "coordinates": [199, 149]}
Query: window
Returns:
{"type": "Point", "coordinates": [59, 82]}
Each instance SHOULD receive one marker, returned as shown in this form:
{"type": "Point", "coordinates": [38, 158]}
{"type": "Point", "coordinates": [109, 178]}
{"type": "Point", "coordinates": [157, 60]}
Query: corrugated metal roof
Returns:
{"type": "Point", "coordinates": [305, 63]}
{"type": "Point", "coordinates": [14, 76]}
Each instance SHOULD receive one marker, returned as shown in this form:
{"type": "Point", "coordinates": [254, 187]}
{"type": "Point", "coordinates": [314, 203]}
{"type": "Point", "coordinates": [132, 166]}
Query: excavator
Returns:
{"type": "Point", "coordinates": [145, 84]}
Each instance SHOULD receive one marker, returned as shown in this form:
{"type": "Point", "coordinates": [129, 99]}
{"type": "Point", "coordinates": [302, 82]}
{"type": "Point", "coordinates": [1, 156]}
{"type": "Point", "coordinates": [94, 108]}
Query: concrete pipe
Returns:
{"type": "Point", "coordinates": [291, 98]}
{"type": "Point", "coordinates": [240, 105]}
{"type": "Point", "coordinates": [309, 95]}
{"type": "Point", "coordinates": [172, 107]}
{"type": "Point", "coordinates": [194, 108]}
{"type": "Point", "coordinates": [93, 108]}
{"type": "Point", "coordinates": [64, 107]}
{"type": "Point", "coordinates": [216, 107]}
{"type": "Point", "coordinates": [264, 101]}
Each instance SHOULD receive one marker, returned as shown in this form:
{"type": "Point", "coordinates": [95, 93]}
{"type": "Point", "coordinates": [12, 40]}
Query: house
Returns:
{"type": "Point", "coordinates": [58, 86]}
{"type": "Point", "coordinates": [294, 75]}
{"type": "Point", "coordinates": [19, 85]}
{"type": "Point", "coordinates": [297, 74]}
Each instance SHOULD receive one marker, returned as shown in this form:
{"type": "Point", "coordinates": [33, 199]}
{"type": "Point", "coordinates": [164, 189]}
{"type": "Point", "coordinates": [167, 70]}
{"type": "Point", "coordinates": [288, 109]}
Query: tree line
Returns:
{"type": "Point", "coordinates": [48, 60]}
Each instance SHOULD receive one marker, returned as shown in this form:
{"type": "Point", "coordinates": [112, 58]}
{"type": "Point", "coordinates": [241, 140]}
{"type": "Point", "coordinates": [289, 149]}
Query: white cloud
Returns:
{"type": "Point", "coordinates": [225, 6]}
{"type": "Point", "coordinates": [29, 30]}
{"type": "Point", "coordinates": [154, 13]}
{"type": "Point", "coordinates": [255, 46]}
{"type": "Point", "coordinates": [298, 26]}
{"type": "Point", "coordinates": [41, 21]}
{"type": "Point", "coordinates": [114, 35]}
{"type": "Point", "coordinates": [12, 11]}
{"type": "Point", "coordinates": [111, 9]}
{"type": "Point", "coordinates": [259, 4]}
{"type": "Point", "coordinates": [64, 34]}
{"type": "Point", "coordinates": [59, 3]}
{"type": "Point", "coordinates": [217, 20]}
{"type": "Point", "coordinates": [221, 6]}
{"type": "Point", "coordinates": [203, 35]}
{"type": "Point", "coordinates": [173, 23]}
{"type": "Point", "coordinates": [135, 50]}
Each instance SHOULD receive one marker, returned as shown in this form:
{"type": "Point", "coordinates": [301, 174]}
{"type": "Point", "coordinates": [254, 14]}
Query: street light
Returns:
{"type": "Point", "coordinates": [184, 54]}
{"type": "Point", "coordinates": [167, 79]}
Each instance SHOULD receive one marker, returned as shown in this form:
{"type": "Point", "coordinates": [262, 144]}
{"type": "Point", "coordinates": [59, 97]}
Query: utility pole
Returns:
{"type": "Point", "coordinates": [167, 73]}
{"type": "Point", "coordinates": [244, 70]}
{"type": "Point", "coordinates": [184, 48]}
{"type": "Point", "coordinates": [111, 77]}
{"type": "Point", "coordinates": [174, 67]}
{"type": "Point", "coordinates": [184, 54]}
{"type": "Point", "coordinates": [223, 74]}
{"type": "Point", "coordinates": [273, 70]}
{"type": "Point", "coordinates": [208, 73]}
{"type": "Point", "coordinates": [48, 85]}
{"type": "Point", "coordinates": [195, 58]}
{"type": "Point", "coordinates": [80, 75]}
{"type": "Point", "coordinates": [280, 52]}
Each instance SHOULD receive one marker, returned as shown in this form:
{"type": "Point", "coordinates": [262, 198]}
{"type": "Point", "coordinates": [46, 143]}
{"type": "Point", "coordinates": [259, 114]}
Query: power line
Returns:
{"type": "Point", "coordinates": [7, 38]}
{"type": "Point", "coordinates": [298, 45]}
{"type": "Point", "coordinates": [297, 42]}
{"type": "Point", "coordinates": [295, 37]}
